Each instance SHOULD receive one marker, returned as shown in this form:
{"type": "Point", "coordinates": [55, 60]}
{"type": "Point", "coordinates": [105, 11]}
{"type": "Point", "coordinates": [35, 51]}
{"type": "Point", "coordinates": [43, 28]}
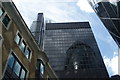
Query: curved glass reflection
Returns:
{"type": "Point", "coordinates": [80, 56]}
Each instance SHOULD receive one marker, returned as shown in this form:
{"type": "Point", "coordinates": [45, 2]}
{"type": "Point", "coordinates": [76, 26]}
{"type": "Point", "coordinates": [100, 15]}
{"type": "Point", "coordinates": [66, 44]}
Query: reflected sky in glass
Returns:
{"type": "Point", "coordinates": [17, 68]}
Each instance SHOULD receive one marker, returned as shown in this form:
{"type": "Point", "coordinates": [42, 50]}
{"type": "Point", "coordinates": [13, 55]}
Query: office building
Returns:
{"type": "Point", "coordinates": [37, 28]}
{"type": "Point", "coordinates": [72, 51]}
{"type": "Point", "coordinates": [20, 56]}
{"type": "Point", "coordinates": [109, 13]}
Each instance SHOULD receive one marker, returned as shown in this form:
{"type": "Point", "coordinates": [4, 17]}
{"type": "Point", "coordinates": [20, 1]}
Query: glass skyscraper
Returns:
{"type": "Point", "coordinates": [109, 13]}
{"type": "Point", "coordinates": [73, 51]}
{"type": "Point", "coordinates": [37, 28]}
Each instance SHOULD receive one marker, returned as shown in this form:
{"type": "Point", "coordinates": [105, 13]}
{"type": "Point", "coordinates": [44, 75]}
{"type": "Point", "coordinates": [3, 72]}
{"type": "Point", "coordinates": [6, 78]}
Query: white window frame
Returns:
{"type": "Point", "coordinates": [2, 17]}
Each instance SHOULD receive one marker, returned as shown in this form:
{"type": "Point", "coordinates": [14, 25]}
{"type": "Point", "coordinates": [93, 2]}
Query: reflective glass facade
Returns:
{"type": "Point", "coordinates": [109, 13]}
{"type": "Point", "coordinates": [73, 51]}
{"type": "Point", "coordinates": [37, 29]}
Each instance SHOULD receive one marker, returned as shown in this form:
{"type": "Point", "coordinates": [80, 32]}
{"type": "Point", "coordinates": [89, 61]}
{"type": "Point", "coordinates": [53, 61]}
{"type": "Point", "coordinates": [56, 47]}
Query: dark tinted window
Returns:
{"type": "Point", "coordinates": [6, 20]}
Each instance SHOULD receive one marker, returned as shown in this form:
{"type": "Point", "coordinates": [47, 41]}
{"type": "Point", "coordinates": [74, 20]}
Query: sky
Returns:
{"type": "Point", "coordinates": [73, 11]}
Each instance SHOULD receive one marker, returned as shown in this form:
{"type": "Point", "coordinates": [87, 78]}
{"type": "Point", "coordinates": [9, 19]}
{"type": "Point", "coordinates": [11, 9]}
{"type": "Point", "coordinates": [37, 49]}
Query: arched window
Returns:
{"type": "Point", "coordinates": [80, 56]}
{"type": "Point", "coordinates": [39, 69]}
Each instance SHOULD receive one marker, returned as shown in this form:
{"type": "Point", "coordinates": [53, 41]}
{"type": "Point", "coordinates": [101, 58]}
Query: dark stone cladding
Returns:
{"type": "Point", "coordinates": [68, 25]}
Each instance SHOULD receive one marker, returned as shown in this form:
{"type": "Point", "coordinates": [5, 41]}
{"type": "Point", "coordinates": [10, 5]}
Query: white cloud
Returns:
{"type": "Point", "coordinates": [112, 64]}
{"type": "Point", "coordinates": [106, 61]}
{"type": "Point", "coordinates": [57, 10]}
{"type": "Point", "coordinates": [84, 5]}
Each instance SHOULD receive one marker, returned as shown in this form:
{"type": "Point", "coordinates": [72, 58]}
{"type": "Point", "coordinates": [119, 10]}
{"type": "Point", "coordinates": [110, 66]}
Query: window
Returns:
{"type": "Point", "coordinates": [27, 53]}
{"type": "Point", "coordinates": [39, 69]}
{"type": "Point", "coordinates": [11, 61]}
{"type": "Point", "coordinates": [42, 68]}
{"type": "Point", "coordinates": [6, 20]}
{"type": "Point", "coordinates": [23, 73]}
{"type": "Point", "coordinates": [17, 68]}
{"type": "Point", "coordinates": [1, 12]}
{"type": "Point", "coordinates": [22, 46]}
{"type": "Point", "coordinates": [14, 69]}
{"type": "Point", "coordinates": [18, 38]}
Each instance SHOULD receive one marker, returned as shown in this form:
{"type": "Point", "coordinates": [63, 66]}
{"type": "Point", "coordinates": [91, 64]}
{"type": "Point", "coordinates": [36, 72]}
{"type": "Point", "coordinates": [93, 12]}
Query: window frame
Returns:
{"type": "Point", "coordinates": [30, 53]}
{"type": "Point", "coordinates": [9, 23]}
{"type": "Point", "coordinates": [18, 34]}
{"type": "Point", "coordinates": [21, 73]}
{"type": "Point", "coordinates": [6, 17]}
{"type": "Point", "coordinates": [13, 61]}
{"type": "Point", "coordinates": [16, 60]}
{"type": "Point", "coordinates": [20, 46]}
{"type": "Point", "coordinates": [15, 66]}
{"type": "Point", "coordinates": [26, 45]}
{"type": "Point", "coordinates": [38, 67]}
